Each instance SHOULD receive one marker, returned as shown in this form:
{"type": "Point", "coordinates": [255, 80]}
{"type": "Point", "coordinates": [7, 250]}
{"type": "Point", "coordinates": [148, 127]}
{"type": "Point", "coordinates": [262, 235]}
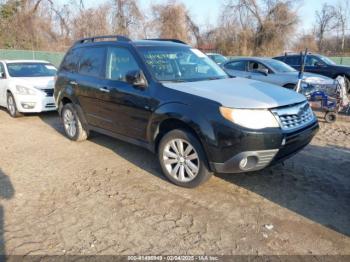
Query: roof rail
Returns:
{"type": "Point", "coordinates": [168, 40]}
{"type": "Point", "coordinates": [94, 38]}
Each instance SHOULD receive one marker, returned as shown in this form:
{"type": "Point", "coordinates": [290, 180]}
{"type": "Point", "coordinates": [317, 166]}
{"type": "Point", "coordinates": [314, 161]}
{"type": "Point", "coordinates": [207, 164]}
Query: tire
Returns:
{"type": "Point", "coordinates": [330, 117]}
{"type": "Point", "coordinates": [11, 106]}
{"type": "Point", "coordinates": [185, 165]}
{"type": "Point", "coordinates": [73, 128]}
{"type": "Point", "coordinates": [347, 84]}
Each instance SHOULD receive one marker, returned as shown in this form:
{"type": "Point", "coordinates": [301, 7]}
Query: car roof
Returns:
{"type": "Point", "coordinates": [24, 61]}
{"type": "Point", "coordinates": [140, 43]}
{"type": "Point", "coordinates": [259, 59]}
{"type": "Point", "coordinates": [136, 43]}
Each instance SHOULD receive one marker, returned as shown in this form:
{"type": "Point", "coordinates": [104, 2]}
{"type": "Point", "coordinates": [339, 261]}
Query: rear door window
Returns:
{"type": "Point", "coordinates": [256, 66]}
{"type": "Point", "coordinates": [237, 65]}
{"type": "Point", "coordinates": [91, 61]}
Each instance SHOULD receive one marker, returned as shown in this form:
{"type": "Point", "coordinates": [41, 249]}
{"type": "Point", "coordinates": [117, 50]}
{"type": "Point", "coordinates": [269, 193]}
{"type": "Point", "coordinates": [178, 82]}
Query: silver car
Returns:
{"type": "Point", "coordinates": [269, 70]}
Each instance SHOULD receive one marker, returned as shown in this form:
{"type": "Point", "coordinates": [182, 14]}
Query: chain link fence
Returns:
{"type": "Point", "coordinates": [56, 57]}
{"type": "Point", "coordinates": [52, 57]}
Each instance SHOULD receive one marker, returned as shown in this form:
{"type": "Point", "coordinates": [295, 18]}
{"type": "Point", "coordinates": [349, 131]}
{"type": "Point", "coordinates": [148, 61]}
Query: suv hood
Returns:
{"type": "Point", "coordinates": [240, 93]}
{"type": "Point", "coordinates": [37, 82]}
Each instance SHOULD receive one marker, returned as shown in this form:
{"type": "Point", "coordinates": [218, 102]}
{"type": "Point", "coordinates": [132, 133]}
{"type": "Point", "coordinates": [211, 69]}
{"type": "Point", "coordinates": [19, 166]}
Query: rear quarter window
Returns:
{"type": "Point", "coordinates": [71, 61]}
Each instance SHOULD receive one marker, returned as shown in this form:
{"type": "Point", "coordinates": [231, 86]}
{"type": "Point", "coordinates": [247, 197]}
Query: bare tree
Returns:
{"type": "Point", "coordinates": [127, 18]}
{"type": "Point", "coordinates": [173, 20]}
{"type": "Point", "coordinates": [342, 11]}
{"type": "Point", "coordinates": [264, 22]}
{"type": "Point", "coordinates": [91, 22]}
{"type": "Point", "coordinates": [325, 21]}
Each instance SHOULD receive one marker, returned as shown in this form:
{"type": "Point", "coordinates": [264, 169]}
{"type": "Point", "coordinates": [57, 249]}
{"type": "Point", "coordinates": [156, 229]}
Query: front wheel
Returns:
{"type": "Point", "coordinates": [182, 159]}
{"type": "Point", "coordinates": [11, 106]}
{"type": "Point", "coordinates": [72, 125]}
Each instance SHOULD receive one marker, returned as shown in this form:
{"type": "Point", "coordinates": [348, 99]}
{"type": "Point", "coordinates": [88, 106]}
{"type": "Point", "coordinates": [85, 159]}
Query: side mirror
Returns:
{"type": "Point", "coordinates": [2, 75]}
{"type": "Point", "coordinates": [137, 79]}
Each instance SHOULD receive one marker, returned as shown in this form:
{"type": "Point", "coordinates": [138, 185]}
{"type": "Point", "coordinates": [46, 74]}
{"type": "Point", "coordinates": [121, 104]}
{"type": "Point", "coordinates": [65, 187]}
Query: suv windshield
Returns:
{"type": "Point", "coordinates": [31, 69]}
{"type": "Point", "coordinates": [180, 64]}
{"type": "Point", "coordinates": [280, 67]}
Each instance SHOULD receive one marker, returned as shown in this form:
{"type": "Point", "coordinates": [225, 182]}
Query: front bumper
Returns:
{"type": "Point", "coordinates": [34, 104]}
{"type": "Point", "coordinates": [253, 160]}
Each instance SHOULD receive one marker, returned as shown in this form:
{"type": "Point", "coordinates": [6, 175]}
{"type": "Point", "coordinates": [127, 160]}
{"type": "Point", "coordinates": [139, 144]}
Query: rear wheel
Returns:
{"type": "Point", "coordinates": [182, 159]}
{"type": "Point", "coordinates": [72, 125]}
{"type": "Point", "coordinates": [330, 117]}
{"type": "Point", "coordinates": [11, 106]}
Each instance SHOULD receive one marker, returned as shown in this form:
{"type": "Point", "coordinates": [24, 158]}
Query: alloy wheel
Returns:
{"type": "Point", "coordinates": [70, 123]}
{"type": "Point", "coordinates": [11, 106]}
{"type": "Point", "coordinates": [181, 160]}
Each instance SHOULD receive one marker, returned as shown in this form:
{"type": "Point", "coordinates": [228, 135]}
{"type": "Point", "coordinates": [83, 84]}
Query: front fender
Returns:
{"type": "Point", "coordinates": [189, 115]}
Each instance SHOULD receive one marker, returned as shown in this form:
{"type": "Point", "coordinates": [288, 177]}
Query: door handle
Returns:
{"type": "Point", "coordinates": [104, 89]}
{"type": "Point", "coordinates": [73, 83]}
{"type": "Point", "coordinates": [249, 77]}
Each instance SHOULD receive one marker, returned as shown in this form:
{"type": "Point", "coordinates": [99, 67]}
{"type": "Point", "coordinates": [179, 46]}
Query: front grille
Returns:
{"type": "Point", "coordinates": [48, 92]}
{"type": "Point", "coordinates": [294, 117]}
{"type": "Point", "coordinates": [50, 105]}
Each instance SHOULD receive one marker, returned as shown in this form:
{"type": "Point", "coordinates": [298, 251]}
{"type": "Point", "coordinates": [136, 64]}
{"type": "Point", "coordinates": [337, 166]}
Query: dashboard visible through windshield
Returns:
{"type": "Point", "coordinates": [177, 64]}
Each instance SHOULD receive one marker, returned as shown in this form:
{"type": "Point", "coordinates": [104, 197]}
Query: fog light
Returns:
{"type": "Point", "coordinates": [248, 163]}
{"type": "Point", "coordinates": [28, 105]}
{"type": "Point", "coordinates": [243, 163]}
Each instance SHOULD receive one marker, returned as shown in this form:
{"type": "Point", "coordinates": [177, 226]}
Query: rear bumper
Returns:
{"type": "Point", "coordinates": [248, 161]}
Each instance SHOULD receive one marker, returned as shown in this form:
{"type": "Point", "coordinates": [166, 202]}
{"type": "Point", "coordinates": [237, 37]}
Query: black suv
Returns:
{"type": "Point", "coordinates": [318, 64]}
{"type": "Point", "coordinates": [175, 101]}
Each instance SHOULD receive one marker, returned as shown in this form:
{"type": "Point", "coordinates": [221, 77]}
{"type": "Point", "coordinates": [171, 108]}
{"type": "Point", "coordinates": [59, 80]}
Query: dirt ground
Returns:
{"type": "Point", "coordinates": [104, 196]}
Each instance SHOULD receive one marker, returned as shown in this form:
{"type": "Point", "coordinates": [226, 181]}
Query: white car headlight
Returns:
{"type": "Point", "coordinates": [22, 90]}
{"type": "Point", "coordinates": [250, 118]}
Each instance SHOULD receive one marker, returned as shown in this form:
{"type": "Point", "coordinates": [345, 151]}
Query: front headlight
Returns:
{"type": "Point", "coordinates": [22, 90]}
{"type": "Point", "coordinates": [250, 118]}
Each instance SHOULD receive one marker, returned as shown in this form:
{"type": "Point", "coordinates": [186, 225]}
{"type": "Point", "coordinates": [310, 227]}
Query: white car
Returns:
{"type": "Point", "coordinates": [27, 86]}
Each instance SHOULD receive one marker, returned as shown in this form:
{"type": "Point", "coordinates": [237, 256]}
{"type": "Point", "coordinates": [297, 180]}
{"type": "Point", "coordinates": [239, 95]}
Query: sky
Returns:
{"type": "Point", "coordinates": [207, 12]}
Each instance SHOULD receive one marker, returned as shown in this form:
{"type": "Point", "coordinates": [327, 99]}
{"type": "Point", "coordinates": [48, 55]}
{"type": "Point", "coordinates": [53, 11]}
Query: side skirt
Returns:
{"type": "Point", "coordinates": [123, 138]}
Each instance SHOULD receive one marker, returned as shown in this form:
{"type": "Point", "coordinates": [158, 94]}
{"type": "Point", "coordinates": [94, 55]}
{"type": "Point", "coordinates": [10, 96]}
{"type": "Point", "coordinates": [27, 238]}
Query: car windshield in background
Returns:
{"type": "Point", "coordinates": [31, 70]}
{"type": "Point", "coordinates": [179, 64]}
{"type": "Point", "coordinates": [219, 58]}
{"type": "Point", "coordinates": [280, 67]}
{"type": "Point", "coordinates": [327, 60]}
